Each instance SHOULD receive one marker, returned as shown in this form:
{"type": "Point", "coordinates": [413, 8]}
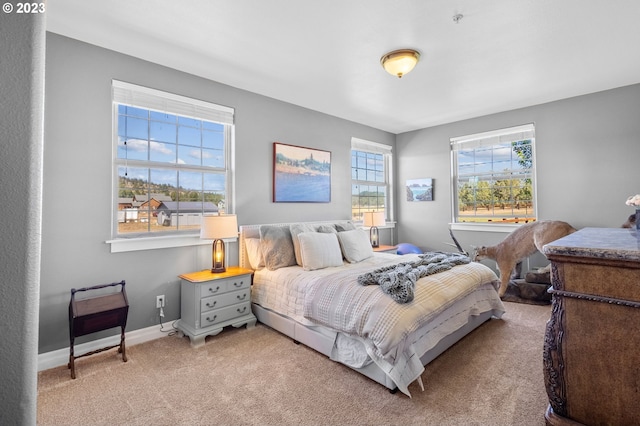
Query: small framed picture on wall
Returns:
{"type": "Point", "coordinates": [420, 189]}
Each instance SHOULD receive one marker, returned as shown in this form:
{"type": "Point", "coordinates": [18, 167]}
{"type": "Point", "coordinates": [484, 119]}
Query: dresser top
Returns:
{"type": "Point", "coordinates": [206, 274]}
{"type": "Point", "coordinates": [603, 243]}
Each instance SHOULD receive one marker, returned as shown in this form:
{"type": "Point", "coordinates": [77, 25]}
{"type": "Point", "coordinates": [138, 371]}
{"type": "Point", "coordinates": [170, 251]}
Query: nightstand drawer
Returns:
{"type": "Point", "coordinates": [216, 302]}
{"type": "Point", "coordinates": [224, 314]}
{"type": "Point", "coordinates": [225, 285]}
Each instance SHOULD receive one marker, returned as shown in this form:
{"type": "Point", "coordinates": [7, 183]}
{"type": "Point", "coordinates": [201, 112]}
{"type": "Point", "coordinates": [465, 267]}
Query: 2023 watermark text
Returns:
{"type": "Point", "coordinates": [23, 7]}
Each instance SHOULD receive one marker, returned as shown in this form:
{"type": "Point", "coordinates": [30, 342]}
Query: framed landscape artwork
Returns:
{"type": "Point", "coordinates": [420, 189]}
{"type": "Point", "coordinates": [301, 175]}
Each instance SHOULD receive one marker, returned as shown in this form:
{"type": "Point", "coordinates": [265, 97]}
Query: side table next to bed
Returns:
{"type": "Point", "coordinates": [386, 249]}
{"type": "Point", "coordinates": [211, 301]}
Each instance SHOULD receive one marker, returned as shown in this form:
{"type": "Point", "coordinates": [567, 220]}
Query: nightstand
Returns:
{"type": "Point", "coordinates": [209, 302]}
{"type": "Point", "coordinates": [386, 249]}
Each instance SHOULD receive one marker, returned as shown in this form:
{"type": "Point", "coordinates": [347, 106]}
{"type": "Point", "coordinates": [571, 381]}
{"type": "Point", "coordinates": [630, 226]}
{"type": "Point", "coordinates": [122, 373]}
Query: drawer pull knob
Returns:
{"type": "Point", "coordinates": [211, 290]}
{"type": "Point", "coordinates": [238, 284]}
{"type": "Point", "coordinates": [242, 297]}
{"type": "Point", "coordinates": [211, 305]}
{"type": "Point", "coordinates": [213, 319]}
{"type": "Point", "coordinates": [241, 311]}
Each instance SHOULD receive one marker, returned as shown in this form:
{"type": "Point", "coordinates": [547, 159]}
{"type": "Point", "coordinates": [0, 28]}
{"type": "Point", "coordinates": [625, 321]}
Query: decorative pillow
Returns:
{"type": "Point", "coordinates": [277, 247]}
{"type": "Point", "coordinates": [355, 245]}
{"type": "Point", "coordinates": [327, 229]}
{"type": "Point", "coordinates": [345, 226]}
{"type": "Point", "coordinates": [254, 253]}
{"type": "Point", "coordinates": [296, 229]}
{"type": "Point", "coordinates": [319, 250]}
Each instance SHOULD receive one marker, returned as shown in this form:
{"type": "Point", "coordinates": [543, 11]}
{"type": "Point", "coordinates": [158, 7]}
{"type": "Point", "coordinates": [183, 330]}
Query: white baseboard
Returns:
{"type": "Point", "coordinates": [61, 356]}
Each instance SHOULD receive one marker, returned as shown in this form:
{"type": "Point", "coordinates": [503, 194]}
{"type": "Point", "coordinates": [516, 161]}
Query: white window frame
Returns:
{"type": "Point", "coordinates": [490, 138]}
{"type": "Point", "coordinates": [387, 154]}
{"type": "Point", "coordinates": [151, 99]}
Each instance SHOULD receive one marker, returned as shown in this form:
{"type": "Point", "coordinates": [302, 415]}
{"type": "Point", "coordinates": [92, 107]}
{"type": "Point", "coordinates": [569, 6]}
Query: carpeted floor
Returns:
{"type": "Point", "coordinates": [260, 377]}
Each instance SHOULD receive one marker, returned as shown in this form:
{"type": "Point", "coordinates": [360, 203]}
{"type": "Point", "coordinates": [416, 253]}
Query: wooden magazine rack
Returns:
{"type": "Point", "coordinates": [93, 314]}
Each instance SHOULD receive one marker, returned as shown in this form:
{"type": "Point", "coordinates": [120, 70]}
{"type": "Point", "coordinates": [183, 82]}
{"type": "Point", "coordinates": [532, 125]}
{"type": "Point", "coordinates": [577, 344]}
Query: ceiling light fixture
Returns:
{"type": "Point", "coordinates": [400, 62]}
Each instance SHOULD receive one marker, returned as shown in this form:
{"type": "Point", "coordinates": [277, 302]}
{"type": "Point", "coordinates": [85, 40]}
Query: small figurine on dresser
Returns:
{"type": "Point", "coordinates": [633, 219]}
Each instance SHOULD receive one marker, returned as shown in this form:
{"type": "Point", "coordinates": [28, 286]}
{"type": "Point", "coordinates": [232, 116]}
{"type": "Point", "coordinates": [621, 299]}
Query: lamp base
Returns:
{"type": "Point", "coordinates": [217, 257]}
{"type": "Point", "coordinates": [373, 237]}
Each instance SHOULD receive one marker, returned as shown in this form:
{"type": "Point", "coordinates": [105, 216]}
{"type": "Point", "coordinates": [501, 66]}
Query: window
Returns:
{"type": "Point", "coordinates": [171, 161]}
{"type": "Point", "coordinates": [370, 178]}
{"type": "Point", "coordinates": [494, 176]}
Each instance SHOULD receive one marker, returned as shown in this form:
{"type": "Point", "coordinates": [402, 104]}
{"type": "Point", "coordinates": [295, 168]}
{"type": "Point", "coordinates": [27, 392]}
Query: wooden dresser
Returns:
{"type": "Point", "coordinates": [592, 342]}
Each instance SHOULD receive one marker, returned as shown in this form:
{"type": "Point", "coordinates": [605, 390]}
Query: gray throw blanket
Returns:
{"type": "Point", "coordinates": [399, 281]}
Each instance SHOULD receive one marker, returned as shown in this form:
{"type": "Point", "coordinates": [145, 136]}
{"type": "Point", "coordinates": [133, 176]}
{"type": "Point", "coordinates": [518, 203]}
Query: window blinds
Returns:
{"type": "Point", "coordinates": [364, 145]}
{"type": "Point", "coordinates": [144, 97]}
{"type": "Point", "coordinates": [492, 138]}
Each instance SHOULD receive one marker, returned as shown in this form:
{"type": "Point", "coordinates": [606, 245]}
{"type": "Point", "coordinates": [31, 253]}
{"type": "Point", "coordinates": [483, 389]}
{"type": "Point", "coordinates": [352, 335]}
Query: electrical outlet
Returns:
{"type": "Point", "coordinates": [160, 301]}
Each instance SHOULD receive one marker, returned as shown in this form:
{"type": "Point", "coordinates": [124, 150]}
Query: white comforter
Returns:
{"type": "Point", "coordinates": [332, 297]}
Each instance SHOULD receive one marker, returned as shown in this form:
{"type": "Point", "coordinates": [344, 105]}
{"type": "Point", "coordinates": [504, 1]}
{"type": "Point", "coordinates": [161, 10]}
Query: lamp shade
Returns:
{"type": "Point", "coordinates": [218, 227]}
{"type": "Point", "coordinates": [373, 219]}
{"type": "Point", "coordinates": [400, 62]}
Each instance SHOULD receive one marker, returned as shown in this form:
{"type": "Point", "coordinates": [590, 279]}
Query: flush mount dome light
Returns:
{"type": "Point", "coordinates": [400, 62]}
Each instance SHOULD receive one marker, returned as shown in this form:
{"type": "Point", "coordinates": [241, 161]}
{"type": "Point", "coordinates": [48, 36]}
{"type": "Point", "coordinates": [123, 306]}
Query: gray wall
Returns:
{"type": "Point", "coordinates": [77, 178]}
{"type": "Point", "coordinates": [21, 110]}
{"type": "Point", "coordinates": [587, 151]}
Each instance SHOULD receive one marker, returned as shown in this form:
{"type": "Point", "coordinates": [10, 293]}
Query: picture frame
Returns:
{"type": "Point", "coordinates": [301, 174]}
{"type": "Point", "coordinates": [419, 189]}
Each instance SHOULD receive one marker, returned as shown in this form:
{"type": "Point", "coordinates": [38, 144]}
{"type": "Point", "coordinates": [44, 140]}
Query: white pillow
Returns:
{"type": "Point", "coordinates": [297, 229]}
{"type": "Point", "coordinates": [319, 250]}
{"type": "Point", "coordinates": [254, 253]}
{"type": "Point", "coordinates": [355, 245]}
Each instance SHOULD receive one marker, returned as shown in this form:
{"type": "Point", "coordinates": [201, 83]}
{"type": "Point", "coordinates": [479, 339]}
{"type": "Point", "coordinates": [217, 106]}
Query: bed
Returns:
{"type": "Point", "coordinates": [321, 284]}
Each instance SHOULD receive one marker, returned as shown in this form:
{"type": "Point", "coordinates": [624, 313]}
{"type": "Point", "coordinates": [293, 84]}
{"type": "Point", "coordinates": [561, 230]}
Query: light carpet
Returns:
{"type": "Point", "coordinates": [257, 376]}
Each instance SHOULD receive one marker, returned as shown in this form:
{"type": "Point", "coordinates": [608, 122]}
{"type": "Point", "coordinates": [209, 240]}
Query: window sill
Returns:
{"type": "Point", "coordinates": [121, 245]}
{"type": "Point", "coordinates": [484, 227]}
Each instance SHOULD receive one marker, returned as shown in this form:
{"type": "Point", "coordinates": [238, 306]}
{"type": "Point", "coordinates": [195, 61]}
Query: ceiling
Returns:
{"type": "Point", "coordinates": [325, 54]}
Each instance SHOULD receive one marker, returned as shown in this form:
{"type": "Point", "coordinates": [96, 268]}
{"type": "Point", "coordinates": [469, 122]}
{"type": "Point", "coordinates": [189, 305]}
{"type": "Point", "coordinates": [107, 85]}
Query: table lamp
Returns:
{"type": "Point", "coordinates": [217, 227]}
{"type": "Point", "coordinates": [373, 220]}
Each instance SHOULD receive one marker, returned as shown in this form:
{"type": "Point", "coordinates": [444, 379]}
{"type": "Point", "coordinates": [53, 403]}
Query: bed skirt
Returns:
{"type": "Point", "coordinates": [322, 339]}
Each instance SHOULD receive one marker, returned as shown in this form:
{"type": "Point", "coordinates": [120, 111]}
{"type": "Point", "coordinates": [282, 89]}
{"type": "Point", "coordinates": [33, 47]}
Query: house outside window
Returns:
{"type": "Point", "coordinates": [494, 176]}
{"type": "Point", "coordinates": [171, 161]}
{"type": "Point", "coordinates": [371, 186]}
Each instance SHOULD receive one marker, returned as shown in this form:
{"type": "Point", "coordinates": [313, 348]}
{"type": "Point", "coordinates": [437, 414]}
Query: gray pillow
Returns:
{"type": "Point", "coordinates": [327, 229]}
{"type": "Point", "coordinates": [345, 226]}
{"type": "Point", "coordinates": [277, 247]}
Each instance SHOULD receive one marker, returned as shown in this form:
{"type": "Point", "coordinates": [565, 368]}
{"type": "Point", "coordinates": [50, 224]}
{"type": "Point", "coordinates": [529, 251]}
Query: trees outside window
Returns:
{"type": "Point", "coordinates": [370, 178]}
{"type": "Point", "coordinates": [494, 176]}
